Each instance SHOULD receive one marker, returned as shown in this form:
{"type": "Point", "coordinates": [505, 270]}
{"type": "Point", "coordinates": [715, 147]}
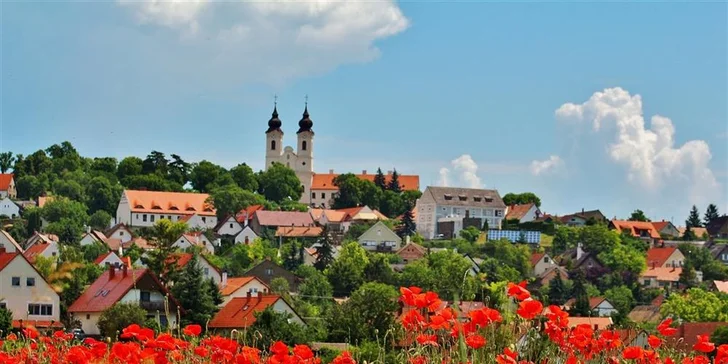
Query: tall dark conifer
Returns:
{"type": "Point", "coordinates": [380, 180]}
{"type": "Point", "coordinates": [694, 218]}
{"type": "Point", "coordinates": [394, 183]}
{"type": "Point", "coordinates": [325, 252]}
{"type": "Point", "coordinates": [408, 227]}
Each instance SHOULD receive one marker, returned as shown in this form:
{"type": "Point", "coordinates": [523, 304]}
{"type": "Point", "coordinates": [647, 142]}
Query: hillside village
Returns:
{"type": "Point", "coordinates": [96, 244]}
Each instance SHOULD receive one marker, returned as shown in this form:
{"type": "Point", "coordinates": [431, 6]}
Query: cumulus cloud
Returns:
{"type": "Point", "coordinates": [270, 41]}
{"type": "Point", "coordinates": [466, 173]}
{"type": "Point", "coordinates": [552, 164]}
{"type": "Point", "coordinates": [650, 155]}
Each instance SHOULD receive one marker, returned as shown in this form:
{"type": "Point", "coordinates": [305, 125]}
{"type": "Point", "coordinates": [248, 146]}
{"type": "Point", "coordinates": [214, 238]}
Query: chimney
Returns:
{"type": "Point", "coordinates": [223, 282]}
{"type": "Point", "coordinates": [88, 229]}
{"type": "Point", "coordinates": [579, 251]}
{"type": "Point", "coordinates": [582, 210]}
{"type": "Point", "coordinates": [654, 264]}
{"type": "Point", "coordinates": [389, 172]}
{"type": "Point", "coordinates": [331, 171]}
{"type": "Point", "coordinates": [364, 171]}
{"type": "Point", "coordinates": [250, 295]}
{"type": "Point", "coordinates": [123, 270]}
{"type": "Point", "coordinates": [260, 296]}
{"type": "Point", "coordinates": [112, 272]}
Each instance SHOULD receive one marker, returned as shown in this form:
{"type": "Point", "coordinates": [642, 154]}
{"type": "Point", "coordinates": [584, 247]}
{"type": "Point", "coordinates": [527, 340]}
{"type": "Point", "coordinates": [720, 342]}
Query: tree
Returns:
{"type": "Point", "coordinates": [271, 326]}
{"type": "Point", "coordinates": [68, 188]}
{"type": "Point", "coordinates": [687, 275]}
{"type": "Point", "coordinates": [390, 203]}
{"type": "Point", "coordinates": [151, 182]}
{"type": "Point", "coordinates": [689, 234]}
{"type": "Point", "coordinates": [231, 199]}
{"type": "Point", "coordinates": [557, 291]}
{"type": "Point", "coordinates": [638, 215]}
{"type": "Point", "coordinates": [244, 177]}
{"type": "Point", "coordinates": [367, 314]}
{"type": "Point", "coordinates": [485, 227]}
{"type": "Point", "coordinates": [598, 238]}
{"type": "Point", "coordinates": [621, 297]}
{"type": "Point", "coordinates": [205, 175]}
{"type": "Point", "coordinates": [161, 260]}
{"type": "Point", "coordinates": [408, 226]}
{"type": "Point", "coordinates": [694, 218]}
{"type": "Point", "coordinates": [279, 285]}
{"type": "Point", "coordinates": [66, 218]}
{"type": "Point", "coordinates": [581, 306]}
{"type": "Point", "coordinates": [393, 184]}
{"type": "Point", "coordinates": [379, 180]}
{"type": "Point", "coordinates": [179, 170]}
{"type": "Point", "coordinates": [315, 288]}
{"type": "Point", "coordinates": [470, 233]}
{"type": "Point", "coordinates": [624, 258]}
{"type": "Point", "coordinates": [325, 251]}
{"type": "Point", "coordinates": [418, 274]}
{"type": "Point", "coordinates": [129, 166]}
{"type": "Point", "coordinates": [6, 322]}
{"type": "Point", "coordinates": [354, 191]}
{"type": "Point", "coordinates": [6, 161]}
{"type": "Point", "coordinates": [119, 316]}
{"type": "Point", "coordinates": [279, 183]}
{"type": "Point", "coordinates": [214, 291]}
{"type": "Point", "coordinates": [522, 238]}
{"type": "Point", "coordinates": [30, 187]}
{"type": "Point", "coordinates": [378, 269]}
{"type": "Point", "coordinates": [100, 220]}
{"type": "Point", "coordinates": [192, 293]}
{"type": "Point", "coordinates": [711, 213]}
{"type": "Point", "coordinates": [155, 163]}
{"type": "Point", "coordinates": [696, 305]}
{"type": "Point", "coordinates": [521, 199]}
{"type": "Point", "coordinates": [346, 274]}
{"type": "Point", "coordinates": [105, 165]}
{"type": "Point", "coordinates": [102, 194]}
{"type": "Point", "coordinates": [720, 336]}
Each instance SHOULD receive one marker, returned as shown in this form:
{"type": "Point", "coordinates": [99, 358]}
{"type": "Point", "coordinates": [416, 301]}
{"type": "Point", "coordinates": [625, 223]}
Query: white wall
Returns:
{"type": "Point", "coordinates": [9, 208]}
{"type": "Point", "coordinates": [246, 233]}
{"type": "Point", "coordinates": [230, 227]}
{"type": "Point", "coordinates": [122, 234]}
{"type": "Point", "coordinates": [111, 259]}
{"type": "Point", "coordinates": [9, 246]}
{"type": "Point", "coordinates": [605, 309]}
{"type": "Point", "coordinates": [87, 239]}
{"type": "Point", "coordinates": [282, 306]}
{"type": "Point", "coordinates": [208, 271]}
{"type": "Point", "coordinates": [254, 286]}
{"type": "Point", "coordinates": [17, 298]}
{"type": "Point", "coordinates": [543, 265]}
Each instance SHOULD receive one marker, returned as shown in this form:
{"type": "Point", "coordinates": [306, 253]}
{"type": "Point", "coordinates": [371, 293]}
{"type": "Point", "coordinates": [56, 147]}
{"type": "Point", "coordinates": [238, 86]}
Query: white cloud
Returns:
{"type": "Point", "coordinates": [466, 173]}
{"type": "Point", "coordinates": [271, 41]}
{"type": "Point", "coordinates": [552, 164]}
{"type": "Point", "coordinates": [650, 155]}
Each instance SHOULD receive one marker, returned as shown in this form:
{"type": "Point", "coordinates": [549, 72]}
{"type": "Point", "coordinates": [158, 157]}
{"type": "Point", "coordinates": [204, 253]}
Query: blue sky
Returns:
{"type": "Point", "coordinates": [473, 88]}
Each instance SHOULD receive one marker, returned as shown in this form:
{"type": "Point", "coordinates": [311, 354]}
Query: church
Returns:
{"type": "Point", "coordinates": [318, 189]}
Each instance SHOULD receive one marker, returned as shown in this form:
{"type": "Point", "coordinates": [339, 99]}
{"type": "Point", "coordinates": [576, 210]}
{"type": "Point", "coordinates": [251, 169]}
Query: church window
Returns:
{"type": "Point", "coordinates": [303, 145]}
{"type": "Point", "coordinates": [272, 145]}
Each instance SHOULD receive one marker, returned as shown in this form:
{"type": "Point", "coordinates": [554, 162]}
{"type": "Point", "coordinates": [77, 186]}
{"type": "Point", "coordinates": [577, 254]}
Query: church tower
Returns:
{"type": "Point", "coordinates": [304, 153]}
{"type": "Point", "coordinates": [273, 139]}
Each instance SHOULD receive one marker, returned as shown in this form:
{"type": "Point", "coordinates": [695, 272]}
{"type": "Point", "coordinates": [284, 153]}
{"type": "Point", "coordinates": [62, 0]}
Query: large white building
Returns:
{"type": "Point", "coordinates": [446, 204]}
{"type": "Point", "coordinates": [144, 208]}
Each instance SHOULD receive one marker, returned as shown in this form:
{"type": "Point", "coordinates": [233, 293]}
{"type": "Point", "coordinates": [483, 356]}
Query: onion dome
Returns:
{"type": "Point", "coordinates": [274, 123]}
{"type": "Point", "coordinates": [306, 123]}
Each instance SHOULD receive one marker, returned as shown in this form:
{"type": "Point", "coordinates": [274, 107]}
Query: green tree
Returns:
{"type": "Point", "coordinates": [240, 260]}
{"type": "Point", "coordinates": [694, 218]}
{"type": "Point", "coordinates": [408, 226]}
{"type": "Point", "coordinates": [279, 183]}
{"type": "Point", "coordinates": [100, 220]}
{"type": "Point", "coordinates": [369, 313]}
{"type": "Point", "coordinates": [66, 219]}
{"type": "Point", "coordinates": [689, 234]}
{"type": "Point", "coordinates": [315, 288]}
{"type": "Point", "coordinates": [102, 194]}
{"type": "Point", "coordinates": [30, 187]}
{"type": "Point", "coordinates": [485, 227]}
{"type": "Point", "coordinates": [720, 336]}
{"type": "Point", "coordinates": [205, 175]}
{"type": "Point", "coordinates": [151, 182]}
{"type": "Point", "coordinates": [378, 269]}
{"type": "Point", "coordinates": [638, 215]}
{"type": "Point", "coordinates": [624, 258]}
{"type": "Point", "coordinates": [354, 191]}
{"type": "Point", "coordinates": [244, 177]}
{"type": "Point", "coordinates": [346, 273]}
{"type": "Point", "coordinates": [379, 180]}
{"type": "Point", "coordinates": [192, 292]}
{"type": "Point", "coordinates": [155, 163]}
{"type": "Point", "coordinates": [325, 251]}
{"type": "Point", "coordinates": [470, 233]}
{"type": "Point", "coordinates": [129, 166]}
{"type": "Point", "coordinates": [688, 277]}
{"type": "Point", "coordinates": [696, 305]}
{"type": "Point", "coordinates": [178, 170]}
{"type": "Point", "coordinates": [69, 188]}
{"type": "Point", "coordinates": [160, 260]}
{"type": "Point", "coordinates": [231, 199]}
{"type": "Point", "coordinates": [517, 257]}
{"type": "Point", "coordinates": [711, 213]}
{"type": "Point", "coordinates": [598, 238]}
{"type": "Point", "coordinates": [279, 285]}
{"type": "Point", "coordinates": [105, 165]}
{"type": "Point", "coordinates": [214, 292]}
{"type": "Point", "coordinates": [418, 274]}
{"type": "Point", "coordinates": [119, 316]}
{"type": "Point", "coordinates": [557, 291]}
{"type": "Point", "coordinates": [450, 270]}
{"type": "Point", "coordinates": [271, 326]}
{"type": "Point", "coordinates": [621, 297]}
{"type": "Point", "coordinates": [6, 161]}
{"type": "Point", "coordinates": [393, 184]}
{"type": "Point", "coordinates": [390, 203]}
{"type": "Point", "coordinates": [581, 306]}
{"type": "Point", "coordinates": [6, 322]}
{"type": "Point", "coordinates": [521, 199]}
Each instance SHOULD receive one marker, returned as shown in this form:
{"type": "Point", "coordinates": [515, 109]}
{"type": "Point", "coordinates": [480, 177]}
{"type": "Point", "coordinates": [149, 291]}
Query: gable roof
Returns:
{"type": "Point", "coordinates": [235, 283]}
{"type": "Point", "coordinates": [488, 198]}
{"type": "Point", "coordinates": [36, 250]}
{"type": "Point", "coordinates": [698, 231]}
{"type": "Point", "coordinates": [421, 249]}
{"type": "Point", "coordinates": [668, 274]}
{"type": "Point", "coordinates": [634, 227]}
{"type": "Point", "coordinates": [138, 241]}
{"type": "Point", "coordinates": [184, 258]}
{"type": "Point", "coordinates": [659, 256]}
{"type": "Point", "coordinates": [721, 286]}
{"type": "Point", "coordinates": [536, 257]}
{"type": "Point", "coordinates": [283, 218]}
{"type": "Point", "coordinates": [594, 302]}
{"type": "Point", "coordinates": [381, 227]}
{"type": "Point", "coordinates": [716, 225]}
{"type": "Point", "coordinates": [169, 202]}
{"type": "Point", "coordinates": [239, 312]}
{"type": "Point", "coordinates": [325, 181]}
{"type": "Point", "coordinates": [248, 213]}
{"type": "Point", "coordinates": [645, 313]}
{"type": "Point", "coordinates": [5, 180]}
{"type": "Point", "coordinates": [518, 211]}
{"type": "Point", "coordinates": [299, 231]}
{"type": "Point", "coordinates": [659, 225]}
{"type": "Point", "coordinates": [125, 260]}
{"type": "Point", "coordinates": [11, 240]}
{"type": "Point", "coordinates": [116, 227]}
{"type": "Point", "coordinates": [361, 213]}
{"type": "Point", "coordinates": [6, 258]}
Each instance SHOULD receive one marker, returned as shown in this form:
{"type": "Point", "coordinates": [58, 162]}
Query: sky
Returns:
{"type": "Point", "coordinates": [611, 105]}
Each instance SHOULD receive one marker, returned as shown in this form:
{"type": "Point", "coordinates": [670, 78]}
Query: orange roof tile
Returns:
{"type": "Point", "coordinates": [138, 241]}
{"type": "Point", "coordinates": [325, 181]}
{"type": "Point", "coordinates": [518, 211]}
{"type": "Point", "coordinates": [6, 258]}
{"type": "Point", "coordinates": [169, 202]}
{"type": "Point", "coordinates": [352, 213]}
{"type": "Point", "coordinates": [536, 257]}
{"type": "Point", "coordinates": [247, 213]}
{"type": "Point", "coordinates": [600, 323]}
{"type": "Point", "coordinates": [235, 283]}
{"type": "Point", "coordinates": [698, 231]}
{"type": "Point", "coordinates": [659, 225]}
{"type": "Point", "coordinates": [635, 227]}
{"type": "Point", "coordinates": [239, 312]}
{"type": "Point", "coordinates": [40, 324]}
{"type": "Point", "coordinates": [721, 286]}
{"type": "Point", "coordinates": [124, 260]}
{"type": "Point", "coordinates": [663, 274]}
{"type": "Point", "coordinates": [35, 250]}
{"type": "Point", "coordinates": [5, 179]}
{"type": "Point", "coordinates": [299, 231]}
{"type": "Point", "coordinates": [658, 256]}
{"type": "Point", "coordinates": [283, 218]}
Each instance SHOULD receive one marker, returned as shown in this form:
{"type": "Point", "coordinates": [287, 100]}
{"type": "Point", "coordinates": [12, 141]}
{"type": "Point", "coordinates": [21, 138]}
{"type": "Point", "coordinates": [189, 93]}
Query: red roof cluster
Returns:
{"type": "Point", "coordinates": [325, 181]}
{"type": "Point", "coordinates": [239, 312]}
{"type": "Point", "coordinates": [636, 228]}
{"type": "Point", "coordinates": [658, 256]}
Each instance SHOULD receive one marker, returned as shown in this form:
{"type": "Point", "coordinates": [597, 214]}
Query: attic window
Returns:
{"type": "Point", "coordinates": [489, 199]}
{"type": "Point", "coordinates": [477, 198]}
{"type": "Point", "coordinates": [155, 206]}
{"type": "Point", "coordinates": [190, 208]}
{"type": "Point", "coordinates": [138, 206]}
{"type": "Point", "coordinates": [463, 197]}
{"type": "Point", "coordinates": [448, 197]}
{"type": "Point", "coordinates": [173, 208]}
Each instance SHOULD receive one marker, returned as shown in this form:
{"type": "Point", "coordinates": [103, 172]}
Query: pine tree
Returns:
{"type": "Point", "coordinates": [581, 307]}
{"type": "Point", "coordinates": [214, 292]}
{"type": "Point", "coordinates": [408, 227]}
{"type": "Point", "coordinates": [687, 276]}
{"type": "Point", "coordinates": [689, 234]}
{"type": "Point", "coordinates": [325, 251]}
{"type": "Point", "coordinates": [394, 183]}
{"type": "Point", "coordinates": [711, 213]}
{"type": "Point", "coordinates": [557, 291]}
{"type": "Point", "coordinates": [485, 226]}
{"type": "Point", "coordinates": [694, 218]}
{"type": "Point", "coordinates": [522, 238]}
{"type": "Point", "coordinates": [380, 180]}
{"type": "Point", "coordinates": [192, 292]}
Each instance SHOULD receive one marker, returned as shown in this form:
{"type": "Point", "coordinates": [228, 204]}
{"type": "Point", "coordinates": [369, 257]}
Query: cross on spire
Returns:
{"type": "Point", "coordinates": [275, 100]}
{"type": "Point", "coordinates": [306, 98]}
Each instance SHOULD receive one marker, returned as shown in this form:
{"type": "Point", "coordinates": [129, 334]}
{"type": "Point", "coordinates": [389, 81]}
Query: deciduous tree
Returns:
{"type": "Point", "coordinates": [231, 199]}
{"type": "Point", "coordinates": [119, 316]}
{"type": "Point", "coordinates": [6, 161]}
{"type": "Point", "coordinates": [638, 215]}
{"type": "Point", "coordinates": [346, 273]}
{"type": "Point", "coordinates": [368, 313]}
{"type": "Point", "coordinates": [521, 199]}
{"type": "Point", "coordinates": [280, 183]}
{"type": "Point", "coordinates": [244, 177]}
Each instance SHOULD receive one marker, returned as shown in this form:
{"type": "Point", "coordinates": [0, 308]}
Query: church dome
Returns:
{"type": "Point", "coordinates": [306, 123]}
{"type": "Point", "coordinates": [274, 123]}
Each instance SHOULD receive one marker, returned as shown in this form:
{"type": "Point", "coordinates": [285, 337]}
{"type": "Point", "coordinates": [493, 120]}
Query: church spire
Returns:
{"type": "Point", "coordinates": [305, 124]}
{"type": "Point", "coordinates": [274, 123]}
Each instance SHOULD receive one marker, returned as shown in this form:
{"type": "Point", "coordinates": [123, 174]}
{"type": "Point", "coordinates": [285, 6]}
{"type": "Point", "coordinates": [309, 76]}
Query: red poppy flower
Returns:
{"type": "Point", "coordinates": [475, 341]}
{"type": "Point", "coordinates": [665, 329]}
{"type": "Point", "coordinates": [633, 352]}
{"type": "Point", "coordinates": [424, 339]}
{"type": "Point", "coordinates": [704, 345]}
{"type": "Point", "coordinates": [654, 341]}
{"type": "Point", "coordinates": [192, 330]}
{"type": "Point", "coordinates": [30, 332]}
{"type": "Point", "coordinates": [344, 358]}
{"type": "Point", "coordinates": [518, 291]}
{"type": "Point", "coordinates": [508, 357]}
{"type": "Point", "coordinates": [529, 309]}
{"type": "Point", "coordinates": [303, 352]}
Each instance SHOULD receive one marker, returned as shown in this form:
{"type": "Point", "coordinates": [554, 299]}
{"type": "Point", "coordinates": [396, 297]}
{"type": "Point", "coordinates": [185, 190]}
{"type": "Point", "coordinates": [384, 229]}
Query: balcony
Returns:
{"type": "Point", "coordinates": [152, 305]}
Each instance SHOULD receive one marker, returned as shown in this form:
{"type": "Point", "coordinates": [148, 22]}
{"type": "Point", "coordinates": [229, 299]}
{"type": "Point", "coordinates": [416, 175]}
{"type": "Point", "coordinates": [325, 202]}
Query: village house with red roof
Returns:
{"type": "Point", "coordinates": [666, 257]}
{"type": "Point", "coordinates": [7, 186]}
{"type": "Point", "coordinates": [9, 208]}
{"type": "Point", "coordinates": [196, 239]}
{"type": "Point", "coordinates": [523, 213]}
{"type": "Point", "coordinates": [126, 285]}
{"type": "Point", "coordinates": [239, 312]}
{"type": "Point", "coordinates": [263, 220]}
{"type": "Point", "coordinates": [42, 249]}
{"type": "Point", "coordinates": [541, 262]}
{"type": "Point", "coordinates": [239, 287]}
{"type": "Point", "coordinates": [93, 237]}
{"type": "Point", "coordinates": [144, 208]}
{"type": "Point", "coordinates": [663, 277]}
{"type": "Point", "coordinates": [323, 189]}
{"type": "Point", "coordinates": [209, 270]}
{"type": "Point", "coordinates": [639, 229]}
{"type": "Point", "coordinates": [666, 229]}
{"type": "Point", "coordinates": [111, 258]}
{"type": "Point", "coordinates": [25, 293]}
{"type": "Point", "coordinates": [8, 242]}
{"type": "Point", "coordinates": [599, 305]}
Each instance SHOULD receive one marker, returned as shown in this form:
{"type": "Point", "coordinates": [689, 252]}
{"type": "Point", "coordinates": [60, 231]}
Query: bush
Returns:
{"type": "Point", "coordinates": [6, 322]}
{"type": "Point", "coordinates": [119, 316]}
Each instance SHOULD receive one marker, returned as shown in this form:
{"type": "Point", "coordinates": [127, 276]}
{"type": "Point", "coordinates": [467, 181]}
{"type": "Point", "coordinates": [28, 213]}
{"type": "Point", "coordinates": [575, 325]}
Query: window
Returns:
{"type": "Point", "coordinates": [323, 194]}
{"type": "Point", "coordinates": [39, 309]}
{"type": "Point", "coordinates": [144, 218]}
{"type": "Point", "coordinates": [253, 290]}
{"type": "Point", "coordinates": [207, 271]}
{"type": "Point", "coordinates": [151, 218]}
{"type": "Point", "coordinates": [477, 199]}
{"type": "Point", "coordinates": [30, 282]}
{"type": "Point", "coordinates": [3, 305]}
{"type": "Point", "coordinates": [463, 198]}
{"type": "Point", "coordinates": [448, 197]}
{"type": "Point", "coordinates": [88, 317]}
{"type": "Point", "coordinates": [144, 296]}
{"type": "Point", "coordinates": [204, 219]}
{"type": "Point", "coordinates": [303, 145]}
{"type": "Point", "coordinates": [546, 260]}
{"type": "Point", "coordinates": [16, 281]}
{"type": "Point", "coordinates": [121, 233]}
{"type": "Point", "coordinates": [272, 145]}
{"type": "Point", "coordinates": [269, 271]}
{"type": "Point", "coordinates": [231, 225]}
{"type": "Point", "coordinates": [136, 216]}
{"type": "Point", "coordinates": [498, 212]}
{"type": "Point", "coordinates": [313, 194]}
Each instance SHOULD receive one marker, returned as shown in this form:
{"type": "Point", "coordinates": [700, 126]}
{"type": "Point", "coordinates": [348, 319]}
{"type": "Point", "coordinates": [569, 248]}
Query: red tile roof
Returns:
{"type": "Point", "coordinates": [247, 213]}
{"type": "Point", "coordinates": [36, 250]}
{"type": "Point", "coordinates": [138, 241]}
{"type": "Point", "coordinates": [352, 212]}
{"type": "Point", "coordinates": [234, 284]}
{"type": "Point", "coordinates": [5, 179]}
{"type": "Point", "coordinates": [6, 258]}
{"type": "Point", "coordinates": [299, 232]}
{"type": "Point", "coordinates": [635, 227]}
{"type": "Point", "coordinates": [239, 312]}
{"type": "Point", "coordinates": [659, 225]}
{"type": "Point", "coordinates": [593, 302]}
{"type": "Point", "coordinates": [518, 211]}
{"type": "Point", "coordinates": [40, 324]}
{"type": "Point", "coordinates": [325, 181]}
{"type": "Point", "coordinates": [184, 258]}
{"type": "Point", "coordinates": [169, 202]}
{"type": "Point", "coordinates": [659, 256]}
{"type": "Point", "coordinates": [283, 218]}
{"type": "Point", "coordinates": [668, 274]}
{"type": "Point", "coordinates": [536, 257]}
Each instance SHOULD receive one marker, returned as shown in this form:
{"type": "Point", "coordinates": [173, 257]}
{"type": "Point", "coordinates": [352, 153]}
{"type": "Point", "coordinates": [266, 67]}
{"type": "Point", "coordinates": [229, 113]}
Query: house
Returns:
{"type": "Point", "coordinates": [7, 186]}
{"type": "Point", "coordinates": [239, 313]}
{"type": "Point", "coordinates": [583, 217]}
{"type": "Point", "coordinates": [647, 313]}
{"type": "Point", "coordinates": [9, 208]}
{"type": "Point", "coordinates": [596, 323]}
{"type": "Point", "coordinates": [245, 216]}
{"type": "Point", "coordinates": [541, 262]}
{"type": "Point", "coordinates": [239, 287]}
{"type": "Point", "coordinates": [40, 238]}
{"type": "Point", "coordinates": [266, 271]}
{"type": "Point", "coordinates": [8, 243]}
{"type": "Point", "coordinates": [633, 337]}
{"type": "Point", "coordinates": [666, 229]}
{"type": "Point", "coordinates": [263, 219]}
{"type": "Point", "coordinates": [93, 237]}
{"type": "Point", "coordinates": [41, 249]}
{"type": "Point", "coordinates": [228, 226]}
{"type": "Point", "coordinates": [361, 214]}
{"type": "Point", "coordinates": [246, 236]}
{"type": "Point", "coordinates": [688, 332]}
{"type": "Point", "coordinates": [25, 293]}
{"type": "Point", "coordinates": [299, 232]}
{"type": "Point", "coordinates": [111, 258]}
{"type": "Point", "coordinates": [523, 213]}
{"type": "Point", "coordinates": [599, 305]}
{"type": "Point", "coordinates": [144, 208]}
{"type": "Point", "coordinates": [335, 220]}
{"type": "Point", "coordinates": [639, 229]}
{"type": "Point", "coordinates": [720, 252]}
{"type": "Point", "coordinates": [138, 286]}
{"type": "Point", "coordinates": [657, 277]}
{"type": "Point", "coordinates": [140, 242]}
{"type": "Point", "coordinates": [461, 207]}
{"type": "Point", "coordinates": [380, 238]}
{"type": "Point", "coordinates": [475, 264]}
{"type": "Point", "coordinates": [209, 270]}
{"type": "Point", "coordinates": [310, 254]}
{"type": "Point", "coordinates": [579, 259]}
{"type": "Point", "coordinates": [700, 232]}
{"type": "Point", "coordinates": [719, 286]}
{"type": "Point", "coordinates": [665, 257]}
{"type": "Point", "coordinates": [549, 274]}
{"type": "Point", "coordinates": [718, 228]}
{"type": "Point", "coordinates": [323, 189]}
{"type": "Point", "coordinates": [194, 238]}
{"type": "Point", "coordinates": [411, 252]}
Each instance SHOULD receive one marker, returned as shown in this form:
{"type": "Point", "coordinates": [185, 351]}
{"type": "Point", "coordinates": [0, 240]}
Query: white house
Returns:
{"type": "Point", "coordinates": [240, 287]}
{"type": "Point", "coordinates": [40, 238]}
{"type": "Point", "coordinates": [138, 286]}
{"type": "Point", "coordinates": [93, 237]}
{"type": "Point", "coordinates": [246, 236]}
{"type": "Point", "coordinates": [239, 313]}
{"type": "Point", "coordinates": [121, 233]}
{"type": "Point", "coordinates": [197, 238]}
{"type": "Point", "coordinates": [111, 258]}
{"type": "Point", "coordinates": [7, 186]}
{"type": "Point", "coordinates": [379, 237]}
{"type": "Point", "coordinates": [599, 305]}
{"type": "Point", "coordinates": [523, 213]}
{"type": "Point", "coordinates": [144, 208]}
{"type": "Point", "coordinates": [9, 208]}
{"type": "Point", "coordinates": [47, 250]}
{"type": "Point", "coordinates": [25, 293]}
{"type": "Point", "coordinates": [209, 271]}
{"type": "Point", "coordinates": [441, 203]}
{"type": "Point", "coordinates": [229, 227]}
{"type": "Point", "coordinates": [8, 243]}
{"type": "Point", "coordinates": [541, 262]}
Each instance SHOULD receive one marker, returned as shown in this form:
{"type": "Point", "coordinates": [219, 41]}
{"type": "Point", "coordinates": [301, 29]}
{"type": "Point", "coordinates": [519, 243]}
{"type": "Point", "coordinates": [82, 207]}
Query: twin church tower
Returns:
{"type": "Point", "coordinates": [300, 160]}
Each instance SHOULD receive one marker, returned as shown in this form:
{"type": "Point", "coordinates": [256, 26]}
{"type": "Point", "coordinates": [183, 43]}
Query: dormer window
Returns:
{"type": "Point", "coordinates": [477, 198]}
{"type": "Point", "coordinates": [488, 199]}
{"type": "Point", "coordinates": [463, 198]}
{"type": "Point", "coordinates": [138, 206]}
{"type": "Point", "coordinates": [190, 208]}
{"type": "Point", "coordinates": [448, 197]}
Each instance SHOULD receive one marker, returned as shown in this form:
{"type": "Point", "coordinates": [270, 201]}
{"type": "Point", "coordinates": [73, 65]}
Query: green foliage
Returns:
{"type": "Point", "coordinates": [129, 166]}
{"type": "Point", "coordinates": [393, 184]}
{"type": "Point", "coordinates": [354, 191]}
{"type": "Point", "coordinates": [720, 336]}
{"type": "Point", "coordinates": [102, 195]}
{"type": "Point", "coordinates": [557, 291]}
{"type": "Point", "coordinates": [30, 187]}
{"type": "Point", "coordinates": [696, 305]}
{"type": "Point", "coordinates": [378, 269]}
{"type": "Point", "coordinates": [119, 316]}
{"type": "Point", "coordinates": [564, 238]}
{"type": "Point", "coordinates": [521, 199]}
{"type": "Point", "coordinates": [688, 278]}
{"type": "Point", "coordinates": [379, 180]}
{"type": "Point", "coordinates": [99, 220]}
{"type": "Point", "coordinates": [694, 218]}
{"type": "Point", "coordinates": [271, 326]}
{"type": "Point", "coordinates": [159, 260]}
{"type": "Point", "coordinates": [192, 292]}
{"type": "Point", "coordinates": [279, 183]}
{"type": "Point", "coordinates": [701, 259]}
{"type": "Point", "coordinates": [598, 238]}
{"type": "Point", "coordinates": [6, 161]}
{"type": "Point", "coordinates": [231, 199]}
{"type": "Point", "coordinates": [638, 215]}
{"type": "Point", "coordinates": [66, 219]}
{"type": "Point", "coordinates": [150, 182]}
{"type": "Point", "coordinates": [711, 213]}
{"type": "Point", "coordinates": [368, 314]}
{"type": "Point", "coordinates": [92, 251]}
{"type": "Point", "coordinates": [325, 252]}
{"type": "Point", "coordinates": [346, 273]}
{"type": "Point", "coordinates": [418, 274]}
{"type": "Point", "coordinates": [624, 258]}
{"type": "Point", "coordinates": [315, 287]}
{"type": "Point", "coordinates": [244, 177]}
{"type": "Point", "coordinates": [6, 321]}
{"type": "Point", "coordinates": [206, 176]}
{"type": "Point", "coordinates": [280, 286]}
{"type": "Point", "coordinates": [470, 233]}
{"type": "Point", "coordinates": [621, 298]}
{"type": "Point", "coordinates": [517, 257]}
{"type": "Point", "coordinates": [292, 253]}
